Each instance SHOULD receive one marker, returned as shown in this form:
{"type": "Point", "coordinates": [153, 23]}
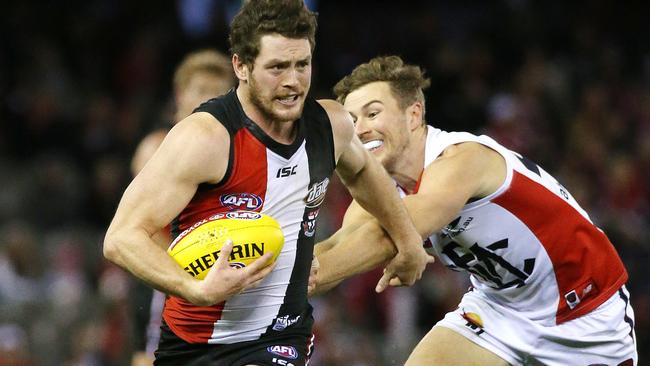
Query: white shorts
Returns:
{"type": "Point", "coordinates": [605, 336]}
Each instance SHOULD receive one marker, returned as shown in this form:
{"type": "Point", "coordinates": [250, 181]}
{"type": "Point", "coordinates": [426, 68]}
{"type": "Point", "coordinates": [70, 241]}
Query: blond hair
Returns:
{"type": "Point", "coordinates": [208, 61]}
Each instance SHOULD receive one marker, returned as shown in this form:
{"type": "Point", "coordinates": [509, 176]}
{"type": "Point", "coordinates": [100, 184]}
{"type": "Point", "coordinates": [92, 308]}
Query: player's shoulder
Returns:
{"type": "Point", "coordinates": [340, 119]}
{"type": "Point", "coordinates": [335, 110]}
{"type": "Point", "coordinates": [199, 128]}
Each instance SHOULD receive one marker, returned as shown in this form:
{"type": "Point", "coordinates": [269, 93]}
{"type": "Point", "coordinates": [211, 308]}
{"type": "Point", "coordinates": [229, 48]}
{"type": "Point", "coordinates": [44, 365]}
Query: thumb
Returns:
{"type": "Point", "coordinates": [430, 259]}
{"type": "Point", "coordinates": [384, 281]}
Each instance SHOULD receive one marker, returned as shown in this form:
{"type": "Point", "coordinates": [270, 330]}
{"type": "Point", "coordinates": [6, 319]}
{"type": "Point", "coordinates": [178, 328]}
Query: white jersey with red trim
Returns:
{"type": "Point", "coordinates": [529, 245]}
{"type": "Point", "coordinates": [286, 182]}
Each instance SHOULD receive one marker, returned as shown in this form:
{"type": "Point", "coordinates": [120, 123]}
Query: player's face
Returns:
{"type": "Point", "coordinates": [281, 77]}
{"type": "Point", "coordinates": [379, 122]}
{"type": "Point", "coordinates": [201, 87]}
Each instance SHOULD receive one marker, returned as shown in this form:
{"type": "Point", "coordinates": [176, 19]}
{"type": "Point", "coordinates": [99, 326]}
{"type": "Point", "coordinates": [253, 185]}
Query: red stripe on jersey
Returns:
{"type": "Point", "coordinates": [581, 254]}
{"type": "Point", "coordinates": [195, 324]}
{"type": "Point", "coordinates": [249, 166]}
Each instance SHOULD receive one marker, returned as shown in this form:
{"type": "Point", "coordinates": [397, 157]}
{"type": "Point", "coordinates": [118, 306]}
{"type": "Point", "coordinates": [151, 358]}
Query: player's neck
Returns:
{"type": "Point", "coordinates": [408, 170]}
{"type": "Point", "coordinates": [283, 132]}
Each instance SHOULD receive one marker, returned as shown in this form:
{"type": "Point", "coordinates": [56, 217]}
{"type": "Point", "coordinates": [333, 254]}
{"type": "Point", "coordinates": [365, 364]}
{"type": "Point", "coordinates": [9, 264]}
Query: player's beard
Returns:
{"type": "Point", "coordinates": [266, 106]}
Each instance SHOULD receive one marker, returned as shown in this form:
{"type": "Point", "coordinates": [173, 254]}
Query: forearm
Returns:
{"type": "Point", "coordinates": [135, 251]}
{"type": "Point", "coordinates": [360, 251]}
{"type": "Point", "coordinates": [373, 189]}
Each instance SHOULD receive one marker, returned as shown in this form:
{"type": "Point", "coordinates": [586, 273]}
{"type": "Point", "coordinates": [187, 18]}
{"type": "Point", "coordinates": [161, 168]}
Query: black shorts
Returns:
{"type": "Point", "coordinates": [285, 350]}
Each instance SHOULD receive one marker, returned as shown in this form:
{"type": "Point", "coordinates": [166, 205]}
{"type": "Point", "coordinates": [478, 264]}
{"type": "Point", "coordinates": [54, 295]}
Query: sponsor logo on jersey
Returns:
{"type": "Point", "coordinates": [241, 201]}
{"type": "Point", "coordinates": [286, 171]}
{"type": "Point", "coordinates": [574, 297]}
{"type": "Point", "coordinates": [282, 322]}
{"type": "Point", "coordinates": [316, 194]}
{"type": "Point", "coordinates": [283, 351]}
{"type": "Point", "coordinates": [453, 229]}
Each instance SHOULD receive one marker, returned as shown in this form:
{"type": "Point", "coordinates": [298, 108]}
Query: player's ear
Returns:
{"type": "Point", "coordinates": [242, 70]}
{"type": "Point", "coordinates": [414, 115]}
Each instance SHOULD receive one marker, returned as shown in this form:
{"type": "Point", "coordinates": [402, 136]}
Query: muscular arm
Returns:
{"type": "Point", "coordinates": [146, 149]}
{"type": "Point", "coordinates": [463, 172]}
{"type": "Point", "coordinates": [157, 194]}
{"type": "Point", "coordinates": [372, 188]}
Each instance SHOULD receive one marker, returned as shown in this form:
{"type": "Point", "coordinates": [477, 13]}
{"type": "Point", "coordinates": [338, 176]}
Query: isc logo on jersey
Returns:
{"type": "Point", "coordinates": [283, 351]}
{"type": "Point", "coordinates": [241, 201]}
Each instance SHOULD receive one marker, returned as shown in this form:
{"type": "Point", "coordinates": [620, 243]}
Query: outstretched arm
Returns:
{"type": "Point", "coordinates": [372, 188]}
{"type": "Point", "coordinates": [463, 172]}
{"type": "Point", "coordinates": [359, 246]}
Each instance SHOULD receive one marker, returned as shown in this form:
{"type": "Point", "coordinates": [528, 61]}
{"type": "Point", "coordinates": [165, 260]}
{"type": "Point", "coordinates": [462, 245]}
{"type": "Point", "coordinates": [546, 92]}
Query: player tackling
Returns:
{"type": "Point", "coordinates": [548, 287]}
{"type": "Point", "coordinates": [265, 147]}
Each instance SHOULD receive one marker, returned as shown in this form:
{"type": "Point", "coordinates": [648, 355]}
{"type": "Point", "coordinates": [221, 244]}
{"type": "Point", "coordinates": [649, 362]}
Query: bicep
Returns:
{"type": "Point", "coordinates": [461, 174]}
{"type": "Point", "coordinates": [169, 180]}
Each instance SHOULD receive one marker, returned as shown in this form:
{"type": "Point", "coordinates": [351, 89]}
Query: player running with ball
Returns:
{"type": "Point", "coordinates": [265, 147]}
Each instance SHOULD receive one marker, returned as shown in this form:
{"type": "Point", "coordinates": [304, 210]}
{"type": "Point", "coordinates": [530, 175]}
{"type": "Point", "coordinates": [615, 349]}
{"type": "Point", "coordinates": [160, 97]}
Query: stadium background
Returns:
{"type": "Point", "coordinates": [566, 83]}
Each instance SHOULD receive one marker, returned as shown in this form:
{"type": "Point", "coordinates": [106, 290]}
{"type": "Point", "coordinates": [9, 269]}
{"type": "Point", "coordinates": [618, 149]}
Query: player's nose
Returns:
{"type": "Point", "coordinates": [361, 127]}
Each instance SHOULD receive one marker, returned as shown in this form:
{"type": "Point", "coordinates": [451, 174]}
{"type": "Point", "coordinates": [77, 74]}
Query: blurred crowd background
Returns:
{"type": "Point", "coordinates": [81, 82]}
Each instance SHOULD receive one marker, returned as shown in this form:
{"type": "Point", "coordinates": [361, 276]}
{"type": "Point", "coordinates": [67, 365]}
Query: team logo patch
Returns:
{"type": "Point", "coordinates": [241, 201]}
{"type": "Point", "coordinates": [474, 321]}
{"type": "Point", "coordinates": [316, 194]}
{"type": "Point", "coordinates": [282, 322]}
{"type": "Point", "coordinates": [309, 226]}
{"type": "Point", "coordinates": [283, 351]}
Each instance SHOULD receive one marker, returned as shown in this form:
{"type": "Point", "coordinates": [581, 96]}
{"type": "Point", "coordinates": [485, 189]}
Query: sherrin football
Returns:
{"type": "Point", "coordinates": [252, 233]}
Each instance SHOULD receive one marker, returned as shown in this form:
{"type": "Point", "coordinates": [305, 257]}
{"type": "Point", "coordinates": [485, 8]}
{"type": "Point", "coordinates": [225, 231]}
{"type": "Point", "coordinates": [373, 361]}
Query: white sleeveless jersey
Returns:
{"type": "Point", "coordinates": [529, 245]}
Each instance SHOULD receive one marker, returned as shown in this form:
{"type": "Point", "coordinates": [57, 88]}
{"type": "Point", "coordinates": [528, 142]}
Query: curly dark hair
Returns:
{"type": "Point", "coordinates": [407, 82]}
{"type": "Point", "coordinates": [289, 18]}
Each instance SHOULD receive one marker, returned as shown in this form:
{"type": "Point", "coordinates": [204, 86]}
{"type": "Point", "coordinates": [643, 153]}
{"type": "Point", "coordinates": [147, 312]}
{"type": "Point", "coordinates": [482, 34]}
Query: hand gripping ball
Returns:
{"type": "Point", "coordinates": [252, 233]}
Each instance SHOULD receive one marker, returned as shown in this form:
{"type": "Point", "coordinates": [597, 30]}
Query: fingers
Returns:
{"type": "Point", "coordinates": [259, 263]}
{"type": "Point", "coordinates": [313, 273]}
{"type": "Point", "coordinates": [384, 281]}
{"type": "Point", "coordinates": [395, 282]}
{"type": "Point", "coordinates": [256, 277]}
{"type": "Point", "coordinates": [222, 261]}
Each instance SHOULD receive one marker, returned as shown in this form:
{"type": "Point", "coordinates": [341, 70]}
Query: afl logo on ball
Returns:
{"type": "Point", "coordinates": [241, 201]}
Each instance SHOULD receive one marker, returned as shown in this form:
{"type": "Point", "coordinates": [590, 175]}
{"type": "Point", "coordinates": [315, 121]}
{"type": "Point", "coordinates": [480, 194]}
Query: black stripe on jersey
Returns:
{"type": "Point", "coordinates": [626, 318]}
{"type": "Point", "coordinates": [286, 151]}
{"type": "Point", "coordinates": [320, 154]}
{"type": "Point", "coordinates": [227, 111]}
{"type": "Point", "coordinates": [530, 165]}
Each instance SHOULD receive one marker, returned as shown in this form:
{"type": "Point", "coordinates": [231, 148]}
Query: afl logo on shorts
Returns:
{"type": "Point", "coordinates": [283, 351]}
{"type": "Point", "coordinates": [316, 194]}
{"type": "Point", "coordinates": [241, 201]}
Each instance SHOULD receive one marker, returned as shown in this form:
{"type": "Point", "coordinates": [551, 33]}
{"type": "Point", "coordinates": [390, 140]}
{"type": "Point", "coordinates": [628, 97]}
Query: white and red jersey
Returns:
{"type": "Point", "coordinates": [286, 182]}
{"type": "Point", "coordinates": [529, 245]}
